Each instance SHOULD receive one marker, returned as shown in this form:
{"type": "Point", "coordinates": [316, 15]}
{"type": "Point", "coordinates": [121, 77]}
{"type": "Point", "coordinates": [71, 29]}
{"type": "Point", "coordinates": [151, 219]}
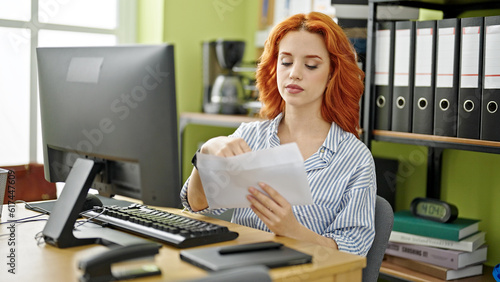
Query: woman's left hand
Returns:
{"type": "Point", "coordinates": [274, 210]}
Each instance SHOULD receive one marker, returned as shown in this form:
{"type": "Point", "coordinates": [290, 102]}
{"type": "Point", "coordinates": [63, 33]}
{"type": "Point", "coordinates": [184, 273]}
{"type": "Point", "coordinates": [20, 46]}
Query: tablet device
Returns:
{"type": "Point", "coordinates": [213, 259]}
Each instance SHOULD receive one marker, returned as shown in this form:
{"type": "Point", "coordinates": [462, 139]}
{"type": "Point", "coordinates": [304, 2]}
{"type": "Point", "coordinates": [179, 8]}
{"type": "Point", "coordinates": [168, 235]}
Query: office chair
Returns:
{"type": "Point", "coordinates": [384, 218]}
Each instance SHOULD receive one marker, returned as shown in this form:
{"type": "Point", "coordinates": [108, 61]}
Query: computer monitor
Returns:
{"type": "Point", "coordinates": [109, 121]}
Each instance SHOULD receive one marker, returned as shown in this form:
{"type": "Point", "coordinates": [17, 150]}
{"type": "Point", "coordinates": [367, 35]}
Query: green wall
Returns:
{"type": "Point", "coordinates": [470, 180]}
{"type": "Point", "coordinates": [186, 24]}
{"type": "Point", "coordinates": [190, 22]}
{"type": "Point", "coordinates": [150, 21]}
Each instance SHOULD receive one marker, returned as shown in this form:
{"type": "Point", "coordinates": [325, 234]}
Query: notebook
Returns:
{"type": "Point", "coordinates": [210, 259]}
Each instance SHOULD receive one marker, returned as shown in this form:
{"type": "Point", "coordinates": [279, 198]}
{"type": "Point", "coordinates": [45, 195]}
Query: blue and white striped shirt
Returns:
{"type": "Point", "coordinates": [341, 176]}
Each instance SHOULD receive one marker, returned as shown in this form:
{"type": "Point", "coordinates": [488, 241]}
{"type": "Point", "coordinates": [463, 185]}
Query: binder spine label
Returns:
{"type": "Point", "coordinates": [402, 57]}
{"type": "Point", "coordinates": [423, 55]}
{"type": "Point", "coordinates": [470, 57]}
{"type": "Point", "coordinates": [492, 58]}
{"type": "Point", "coordinates": [445, 57]}
{"type": "Point", "coordinates": [382, 55]}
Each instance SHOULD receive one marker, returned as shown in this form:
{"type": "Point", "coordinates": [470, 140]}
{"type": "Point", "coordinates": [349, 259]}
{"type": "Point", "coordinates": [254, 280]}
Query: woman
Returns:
{"type": "Point", "coordinates": [310, 87]}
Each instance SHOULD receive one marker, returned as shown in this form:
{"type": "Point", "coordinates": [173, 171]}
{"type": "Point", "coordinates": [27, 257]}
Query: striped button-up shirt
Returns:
{"type": "Point", "coordinates": [341, 177]}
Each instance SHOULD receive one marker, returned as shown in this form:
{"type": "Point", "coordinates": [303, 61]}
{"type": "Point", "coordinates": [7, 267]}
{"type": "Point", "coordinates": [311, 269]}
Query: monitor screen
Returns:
{"type": "Point", "coordinates": [116, 106]}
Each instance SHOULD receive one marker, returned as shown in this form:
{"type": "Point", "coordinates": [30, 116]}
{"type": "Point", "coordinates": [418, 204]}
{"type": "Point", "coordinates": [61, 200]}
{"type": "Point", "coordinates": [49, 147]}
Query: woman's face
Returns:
{"type": "Point", "coordinates": [302, 69]}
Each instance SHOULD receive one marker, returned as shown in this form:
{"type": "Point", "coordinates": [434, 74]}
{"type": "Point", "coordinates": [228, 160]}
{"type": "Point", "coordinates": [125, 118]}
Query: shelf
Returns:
{"type": "Point", "coordinates": [450, 8]}
{"type": "Point", "coordinates": [213, 120]}
{"type": "Point", "coordinates": [437, 3]}
{"type": "Point", "coordinates": [437, 141]}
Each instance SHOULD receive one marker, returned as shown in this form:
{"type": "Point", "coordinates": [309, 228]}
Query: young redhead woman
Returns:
{"type": "Point", "coordinates": [310, 86]}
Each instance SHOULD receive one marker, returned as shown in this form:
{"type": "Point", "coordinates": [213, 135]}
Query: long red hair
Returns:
{"type": "Point", "coordinates": [343, 90]}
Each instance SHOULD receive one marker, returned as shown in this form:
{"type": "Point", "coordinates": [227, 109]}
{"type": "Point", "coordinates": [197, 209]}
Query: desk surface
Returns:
{"type": "Point", "coordinates": [47, 263]}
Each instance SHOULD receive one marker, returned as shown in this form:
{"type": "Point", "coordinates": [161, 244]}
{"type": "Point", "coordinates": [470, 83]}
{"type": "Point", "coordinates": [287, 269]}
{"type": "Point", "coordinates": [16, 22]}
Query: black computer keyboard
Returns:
{"type": "Point", "coordinates": [176, 230]}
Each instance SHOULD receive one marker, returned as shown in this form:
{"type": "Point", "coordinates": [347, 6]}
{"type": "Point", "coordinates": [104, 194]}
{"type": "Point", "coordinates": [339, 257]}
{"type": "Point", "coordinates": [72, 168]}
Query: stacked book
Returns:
{"type": "Point", "coordinates": [443, 250]}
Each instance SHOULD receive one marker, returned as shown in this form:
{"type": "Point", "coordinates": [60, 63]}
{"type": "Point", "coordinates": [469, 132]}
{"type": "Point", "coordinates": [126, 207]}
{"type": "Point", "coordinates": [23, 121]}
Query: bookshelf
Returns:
{"type": "Point", "coordinates": [438, 141]}
{"type": "Point", "coordinates": [435, 144]}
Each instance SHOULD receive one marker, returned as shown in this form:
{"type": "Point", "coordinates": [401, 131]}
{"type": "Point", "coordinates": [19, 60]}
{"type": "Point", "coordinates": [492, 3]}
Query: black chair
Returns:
{"type": "Point", "coordinates": [384, 218]}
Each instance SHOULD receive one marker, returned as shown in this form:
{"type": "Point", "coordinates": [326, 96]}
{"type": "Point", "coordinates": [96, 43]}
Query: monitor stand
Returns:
{"type": "Point", "coordinates": [60, 228]}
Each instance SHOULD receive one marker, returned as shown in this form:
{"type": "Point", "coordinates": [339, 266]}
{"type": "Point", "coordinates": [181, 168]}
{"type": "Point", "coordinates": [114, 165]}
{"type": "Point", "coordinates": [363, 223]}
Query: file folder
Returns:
{"type": "Point", "coordinates": [423, 91]}
{"type": "Point", "coordinates": [471, 70]}
{"type": "Point", "coordinates": [447, 77]}
{"type": "Point", "coordinates": [384, 74]}
{"type": "Point", "coordinates": [404, 59]}
{"type": "Point", "coordinates": [490, 112]}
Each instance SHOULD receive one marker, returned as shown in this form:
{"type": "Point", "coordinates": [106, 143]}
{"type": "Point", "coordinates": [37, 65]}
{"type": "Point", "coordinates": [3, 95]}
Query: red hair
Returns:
{"type": "Point", "coordinates": [343, 90]}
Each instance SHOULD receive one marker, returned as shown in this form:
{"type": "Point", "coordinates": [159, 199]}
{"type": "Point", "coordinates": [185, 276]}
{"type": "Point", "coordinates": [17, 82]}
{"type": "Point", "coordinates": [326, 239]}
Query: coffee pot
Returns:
{"type": "Point", "coordinates": [227, 93]}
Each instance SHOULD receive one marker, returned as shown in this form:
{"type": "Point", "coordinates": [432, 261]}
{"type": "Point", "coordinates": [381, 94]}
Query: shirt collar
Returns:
{"type": "Point", "coordinates": [275, 123]}
{"type": "Point", "coordinates": [324, 155]}
{"type": "Point", "coordinates": [273, 131]}
{"type": "Point", "coordinates": [334, 137]}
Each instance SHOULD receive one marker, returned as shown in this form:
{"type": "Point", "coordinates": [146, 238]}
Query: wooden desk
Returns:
{"type": "Point", "coordinates": [47, 263]}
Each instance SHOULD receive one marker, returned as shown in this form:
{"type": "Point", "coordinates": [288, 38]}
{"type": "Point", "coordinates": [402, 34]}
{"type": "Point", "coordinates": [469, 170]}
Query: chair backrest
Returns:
{"type": "Point", "coordinates": [384, 218]}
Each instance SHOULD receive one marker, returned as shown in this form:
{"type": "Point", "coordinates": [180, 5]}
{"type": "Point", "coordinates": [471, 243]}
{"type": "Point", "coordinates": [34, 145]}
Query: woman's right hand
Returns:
{"type": "Point", "coordinates": [219, 146]}
{"type": "Point", "coordinates": [224, 146]}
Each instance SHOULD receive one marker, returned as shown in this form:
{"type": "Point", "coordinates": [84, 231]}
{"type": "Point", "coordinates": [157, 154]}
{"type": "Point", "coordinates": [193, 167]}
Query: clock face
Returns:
{"type": "Point", "coordinates": [431, 209]}
{"type": "Point", "coordinates": [434, 209]}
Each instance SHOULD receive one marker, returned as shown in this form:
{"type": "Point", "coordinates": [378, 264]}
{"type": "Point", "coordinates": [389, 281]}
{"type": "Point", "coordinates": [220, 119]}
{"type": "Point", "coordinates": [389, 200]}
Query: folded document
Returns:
{"type": "Point", "coordinates": [226, 180]}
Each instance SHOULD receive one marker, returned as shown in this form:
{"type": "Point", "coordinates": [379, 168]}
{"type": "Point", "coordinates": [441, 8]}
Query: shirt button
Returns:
{"type": "Point", "coordinates": [322, 150]}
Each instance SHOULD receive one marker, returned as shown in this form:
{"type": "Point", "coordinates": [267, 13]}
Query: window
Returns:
{"type": "Point", "coordinates": [27, 24]}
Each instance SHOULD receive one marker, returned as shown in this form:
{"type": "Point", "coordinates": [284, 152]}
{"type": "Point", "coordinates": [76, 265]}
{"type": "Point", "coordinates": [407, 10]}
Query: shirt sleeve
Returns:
{"type": "Point", "coordinates": [353, 229]}
{"type": "Point", "coordinates": [184, 200]}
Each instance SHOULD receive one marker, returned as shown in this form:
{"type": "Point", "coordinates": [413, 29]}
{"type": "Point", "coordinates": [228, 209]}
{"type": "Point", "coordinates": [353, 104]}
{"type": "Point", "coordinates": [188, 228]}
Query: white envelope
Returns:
{"type": "Point", "coordinates": [226, 180]}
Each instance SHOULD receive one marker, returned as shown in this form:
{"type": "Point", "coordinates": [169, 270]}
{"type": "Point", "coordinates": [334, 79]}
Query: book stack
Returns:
{"type": "Point", "coordinates": [443, 250]}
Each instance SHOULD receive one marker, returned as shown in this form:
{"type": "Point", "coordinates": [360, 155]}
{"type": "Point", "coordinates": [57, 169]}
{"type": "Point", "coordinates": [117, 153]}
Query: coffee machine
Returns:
{"type": "Point", "coordinates": [223, 88]}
